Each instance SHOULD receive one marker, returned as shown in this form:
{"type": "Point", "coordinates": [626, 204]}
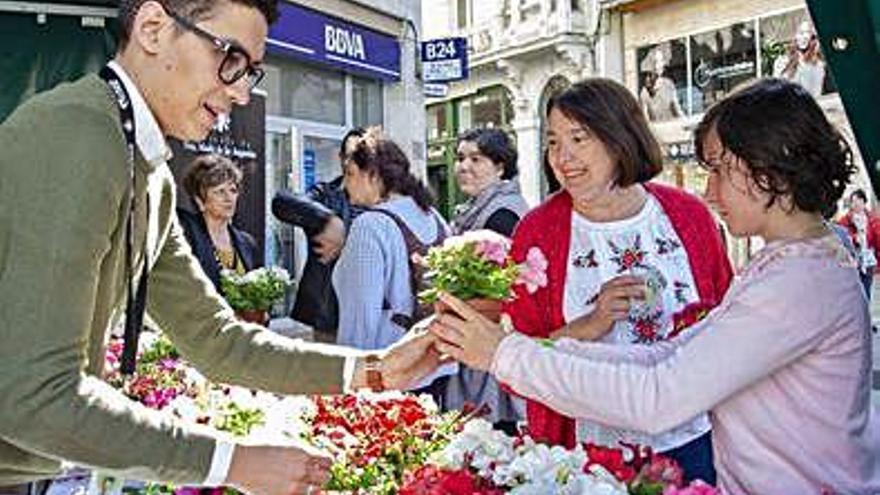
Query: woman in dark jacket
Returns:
{"type": "Point", "coordinates": [486, 171]}
{"type": "Point", "coordinates": [212, 182]}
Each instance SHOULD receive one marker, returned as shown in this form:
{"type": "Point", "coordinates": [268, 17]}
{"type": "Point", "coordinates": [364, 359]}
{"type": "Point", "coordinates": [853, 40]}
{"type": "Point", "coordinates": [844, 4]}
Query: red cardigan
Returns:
{"type": "Point", "coordinates": [549, 227]}
{"type": "Point", "coordinates": [872, 233]}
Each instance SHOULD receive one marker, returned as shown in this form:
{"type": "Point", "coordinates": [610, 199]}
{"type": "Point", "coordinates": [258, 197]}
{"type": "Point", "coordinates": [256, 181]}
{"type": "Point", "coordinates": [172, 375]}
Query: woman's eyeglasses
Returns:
{"type": "Point", "coordinates": [236, 61]}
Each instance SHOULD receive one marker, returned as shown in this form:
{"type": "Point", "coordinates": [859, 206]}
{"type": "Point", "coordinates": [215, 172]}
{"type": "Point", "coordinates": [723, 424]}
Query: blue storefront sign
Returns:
{"type": "Point", "coordinates": [309, 178]}
{"type": "Point", "coordinates": [312, 36]}
{"type": "Point", "coordinates": [444, 60]}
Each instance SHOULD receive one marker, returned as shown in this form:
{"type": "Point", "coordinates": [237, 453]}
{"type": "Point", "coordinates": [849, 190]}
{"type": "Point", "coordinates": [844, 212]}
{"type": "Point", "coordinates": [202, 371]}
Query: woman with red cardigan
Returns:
{"type": "Point", "coordinates": [628, 262]}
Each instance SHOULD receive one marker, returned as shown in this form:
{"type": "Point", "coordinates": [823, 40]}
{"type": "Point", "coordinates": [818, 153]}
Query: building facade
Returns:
{"type": "Point", "coordinates": [520, 51]}
{"type": "Point", "coordinates": [330, 65]}
{"type": "Point", "coordinates": [680, 56]}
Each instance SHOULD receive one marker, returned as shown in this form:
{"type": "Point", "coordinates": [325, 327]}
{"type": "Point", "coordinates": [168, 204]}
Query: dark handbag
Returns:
{"type": "Point", "coordinates": [301, 211]}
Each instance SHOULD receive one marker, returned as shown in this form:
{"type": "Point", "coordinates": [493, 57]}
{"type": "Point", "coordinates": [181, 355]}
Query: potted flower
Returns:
{"type": "Point", "coordinates": [476, 266]}
{"type": "Point", "coordinates": [252, 294]}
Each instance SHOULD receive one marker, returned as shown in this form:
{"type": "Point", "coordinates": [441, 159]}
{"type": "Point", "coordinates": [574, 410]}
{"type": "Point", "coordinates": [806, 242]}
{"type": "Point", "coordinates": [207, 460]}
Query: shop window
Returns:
{"type": "Point", "coordinates": [437, 122]}
{"type": "Point", "coordinates": [721, 60]}
{"type": "Point", "coordinates": [463, 13]}
{"type": "Point", "coordinates": [790, 49]}
{"type": "Point", "coordinates": [304, 92]}
{"type": "Point", "coordinates": [663, 80]}
{"type": "Point", "coordinates": [491, 108]}
{"type": "Point", "coordinates": [367, 102]}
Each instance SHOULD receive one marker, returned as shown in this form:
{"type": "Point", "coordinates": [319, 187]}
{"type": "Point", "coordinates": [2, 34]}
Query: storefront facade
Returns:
{"type": "Point", "coordinates": [519, 53]}
{"type": "Point", "coordinates": [331, 66]}
{"type": "Point", "coordinates": [681, 56]}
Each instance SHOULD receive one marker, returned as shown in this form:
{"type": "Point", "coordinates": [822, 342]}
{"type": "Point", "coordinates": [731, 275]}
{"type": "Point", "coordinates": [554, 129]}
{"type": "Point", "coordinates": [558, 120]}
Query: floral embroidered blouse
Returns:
{"type": "Point", "coordinates": [645, 245]}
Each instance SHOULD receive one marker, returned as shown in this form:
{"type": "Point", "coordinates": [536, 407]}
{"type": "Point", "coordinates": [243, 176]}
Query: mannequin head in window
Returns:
{"type": "Point", "coordinates": [658, 63]}
{"type": "Point", "coordinates": [805, 40]}
{"type": "Point", "coordinates": [858, 201]}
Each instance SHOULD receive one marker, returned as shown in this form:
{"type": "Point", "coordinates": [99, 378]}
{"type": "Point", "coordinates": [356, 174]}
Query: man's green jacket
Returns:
{"type": "Point", "coordinates": [64, 192]}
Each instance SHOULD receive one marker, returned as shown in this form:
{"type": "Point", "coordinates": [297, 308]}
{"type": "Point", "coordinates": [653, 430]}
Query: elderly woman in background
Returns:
{"type": "Point", "coordinates": [486, 171]}
{"type": "Point", "coordinates": [212, 182]}
{"type": "Point", "coordinates": [783, 363]}
{"type": "Point", "coordinates": [607, 235]}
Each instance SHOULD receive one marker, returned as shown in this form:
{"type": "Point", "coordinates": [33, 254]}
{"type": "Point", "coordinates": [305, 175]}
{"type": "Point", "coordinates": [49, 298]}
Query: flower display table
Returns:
{"type": "Point", "coordinates": [384, 444]}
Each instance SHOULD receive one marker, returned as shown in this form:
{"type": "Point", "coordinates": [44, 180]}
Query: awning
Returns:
{"type": "Point", "coordinates": [850, 36]}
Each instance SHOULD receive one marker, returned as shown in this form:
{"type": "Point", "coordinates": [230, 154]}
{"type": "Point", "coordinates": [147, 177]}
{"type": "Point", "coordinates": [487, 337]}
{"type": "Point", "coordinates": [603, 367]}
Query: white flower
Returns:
{"type": "Point", "coordinates": [147, 340]}
{"type": "Point", "coordinates": [486, 447]}
{"type": "Point", "coordinates": [283, 420]}
{"type": "Point", "coordinates": [185, 408]}
{"type": "Point", "coordinates": [280, 274]}
{"type": "Point", "coordinates": [194, 378]}
{"type": "Point", "coordinates": [428, 404]}
{"type": "Point", "coordinates": [584, 484]}
{"type": "Point", "coordinates": [241, 397]}
{"type": "Point", "coordinates": [536, 488]}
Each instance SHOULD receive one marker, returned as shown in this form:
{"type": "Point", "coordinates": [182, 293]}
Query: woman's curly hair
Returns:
{"type": "Point", "coordinates": [786, 141]}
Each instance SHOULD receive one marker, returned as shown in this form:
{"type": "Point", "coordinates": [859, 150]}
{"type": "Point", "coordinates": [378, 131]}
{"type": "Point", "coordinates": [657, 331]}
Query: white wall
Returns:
{"type": "Point", "coordinates": [437, 18]}
{"type": "Point", "coordinates": [404, 101]}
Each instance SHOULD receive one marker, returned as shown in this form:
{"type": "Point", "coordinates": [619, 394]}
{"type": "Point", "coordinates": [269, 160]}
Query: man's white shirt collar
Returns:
{"type": "Point", "coordinates": [148, 135]}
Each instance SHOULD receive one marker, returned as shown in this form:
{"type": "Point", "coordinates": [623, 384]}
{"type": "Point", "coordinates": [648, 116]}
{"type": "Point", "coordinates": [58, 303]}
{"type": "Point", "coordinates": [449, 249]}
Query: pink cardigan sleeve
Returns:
{"type": "Point", "coordinates": [760, 327]}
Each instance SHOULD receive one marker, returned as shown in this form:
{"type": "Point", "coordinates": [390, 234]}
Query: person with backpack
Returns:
{"type": "Point", "coordinates": [376, 278]}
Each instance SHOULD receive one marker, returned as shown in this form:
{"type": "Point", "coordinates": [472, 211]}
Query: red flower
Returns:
{"type": "Point", "coordinates": [646, 328]}
{"type": "Point", "coordinates": [430, 480]}
{"type": "Point", "coordinates": [611, 459]}
{"type": "Point", "coordinates": [663, 470]}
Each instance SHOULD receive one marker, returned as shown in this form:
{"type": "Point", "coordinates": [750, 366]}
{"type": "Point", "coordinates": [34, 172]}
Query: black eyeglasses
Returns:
{"type": "Point", "coordinates": [236, 61]}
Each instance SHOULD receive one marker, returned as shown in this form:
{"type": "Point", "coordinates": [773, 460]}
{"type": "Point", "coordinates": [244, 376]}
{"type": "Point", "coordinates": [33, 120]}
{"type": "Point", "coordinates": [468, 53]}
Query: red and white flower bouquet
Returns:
{"type": "Point", "coordinates": [389, 443]}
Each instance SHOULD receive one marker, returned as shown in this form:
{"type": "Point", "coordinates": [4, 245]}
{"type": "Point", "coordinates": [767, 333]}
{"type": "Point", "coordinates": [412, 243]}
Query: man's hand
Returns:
{"type": "Point", "coordinates": [411, 358]}
{"type": "Point", "coordinates": [406, 361]}
{"type": "Point", "coordinates": [264, 470]}
{"type": "Point", "coordinates": [329, 242]}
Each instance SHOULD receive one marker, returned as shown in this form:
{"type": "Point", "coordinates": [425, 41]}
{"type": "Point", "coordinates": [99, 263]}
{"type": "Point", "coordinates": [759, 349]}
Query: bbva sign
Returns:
{"type": "Point", "coordinates": [344, 42]}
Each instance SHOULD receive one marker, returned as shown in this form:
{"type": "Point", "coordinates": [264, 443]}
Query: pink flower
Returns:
{"type": "Point", "coordinates": [533, 273]}
{"type": "Point", "coordinates": [695, 488]}
{"type": "Point", "coordinates": [663, 470]}
{"type": "Point", "coordinates": [492, 250]}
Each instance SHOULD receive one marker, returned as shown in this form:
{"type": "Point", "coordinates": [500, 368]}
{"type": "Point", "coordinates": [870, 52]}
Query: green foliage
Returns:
{"type": "Point", "coordinates": [459, 270]}
{"type": "Point", "coordinates": [646, 488]}
{"type": "Point", "coordinates": [256, 290]}
{"type": "Point", "coordinates": [161, 349]}
{"type": "Point", "coordinates": [239, 421]}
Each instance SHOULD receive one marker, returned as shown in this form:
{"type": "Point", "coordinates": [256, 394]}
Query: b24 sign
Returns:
{"type": "Point", "coordinates": [444, 60]}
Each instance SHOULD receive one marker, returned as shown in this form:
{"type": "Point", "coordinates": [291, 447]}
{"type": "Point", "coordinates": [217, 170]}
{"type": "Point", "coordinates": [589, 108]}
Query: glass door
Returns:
{"type": "Point", "coordinates": [280, 237]}
{"type": "Point", "coordinates": [298, 156]}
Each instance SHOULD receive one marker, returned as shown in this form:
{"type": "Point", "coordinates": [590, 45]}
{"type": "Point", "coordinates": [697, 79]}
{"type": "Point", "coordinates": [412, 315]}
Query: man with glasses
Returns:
{"type": "Point", "coordinates": [78, 251]}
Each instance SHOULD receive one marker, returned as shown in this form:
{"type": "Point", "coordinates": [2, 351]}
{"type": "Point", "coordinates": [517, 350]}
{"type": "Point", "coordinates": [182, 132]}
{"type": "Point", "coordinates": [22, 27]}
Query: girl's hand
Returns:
{"type": "Point", "coordinates": [466, 335]}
